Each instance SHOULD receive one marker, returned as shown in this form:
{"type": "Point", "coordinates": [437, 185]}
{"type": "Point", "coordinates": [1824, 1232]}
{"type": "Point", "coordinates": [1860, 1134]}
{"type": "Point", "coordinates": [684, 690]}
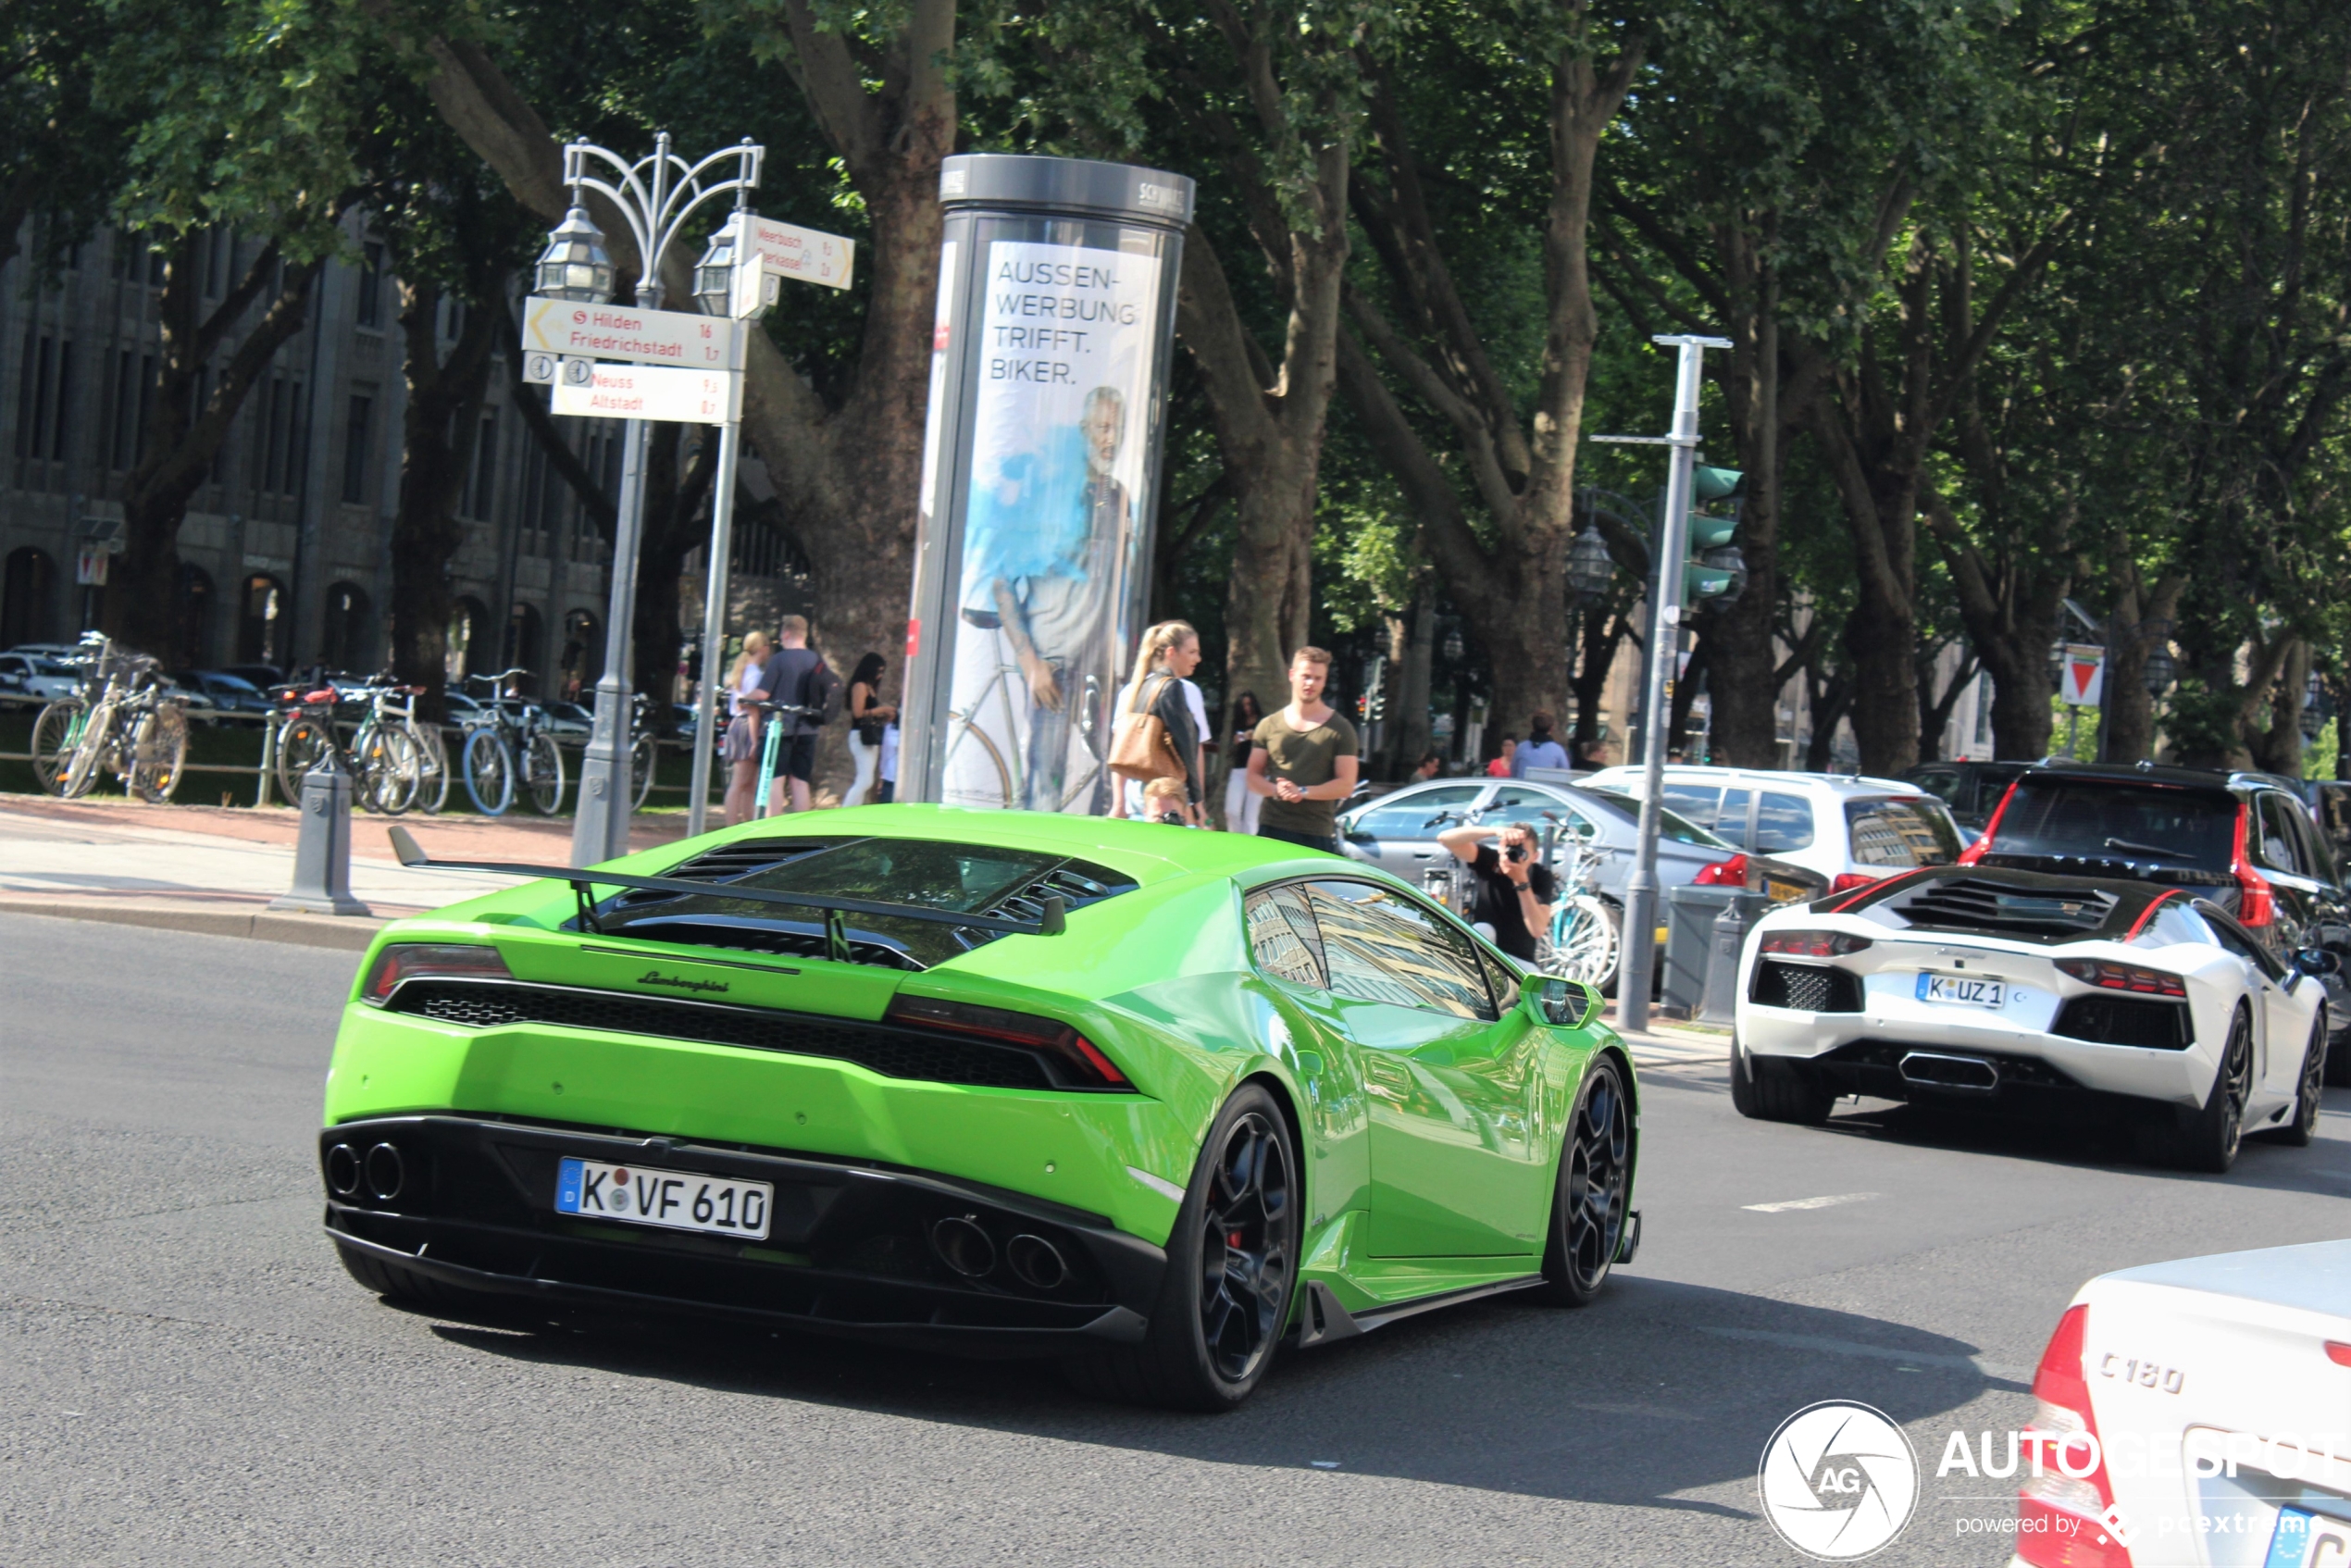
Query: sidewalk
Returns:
{"type": "Point", "coordinates": [214, 869]}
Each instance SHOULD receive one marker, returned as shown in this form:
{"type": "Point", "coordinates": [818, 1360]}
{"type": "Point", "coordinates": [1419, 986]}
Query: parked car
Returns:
{"type": "Point", "coordinates": [1980, 986]}
{"type": "Point", "coordinates": [2191, 1414]}
{"type": "Point", "coordinates": [942, 1079]}
{"type": "Point", "coordinates": [1397, 832]}
{"type": "Point", "coordinates": [569, 721]}
{"type": "Point", "coordinates": [2243, 840]}
{"type": "Point", "coordinates": [261, 678]}
{"type": "Point", "coordinates": [36, 676]}
{"type": "Point", "coordinates": [1852, 830]}
{"type": "Point", "coordinates": [1970, 788]}
{"type": "Point", "coordinates": [231, 693]}
{"type": "Point", "coordinates": [2330, 804]}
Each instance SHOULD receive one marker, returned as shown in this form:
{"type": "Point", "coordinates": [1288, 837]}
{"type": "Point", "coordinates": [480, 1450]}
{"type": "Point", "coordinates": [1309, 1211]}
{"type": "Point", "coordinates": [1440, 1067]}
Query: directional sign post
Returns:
{"type": "Point", "coordinates": [644, 336]}
{"type": "Point", "coordinates": [585, 388]}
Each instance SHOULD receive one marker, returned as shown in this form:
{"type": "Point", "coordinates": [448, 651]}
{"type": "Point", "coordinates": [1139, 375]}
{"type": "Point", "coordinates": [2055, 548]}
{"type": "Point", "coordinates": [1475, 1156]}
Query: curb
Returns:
{"type": "Point", "coordinates": [340, 933]}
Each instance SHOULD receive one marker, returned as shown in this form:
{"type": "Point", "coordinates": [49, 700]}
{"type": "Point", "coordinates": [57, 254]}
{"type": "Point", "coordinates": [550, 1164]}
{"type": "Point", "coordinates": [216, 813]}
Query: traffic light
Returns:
{"type": "Point", "coordinates": [1716, 573]}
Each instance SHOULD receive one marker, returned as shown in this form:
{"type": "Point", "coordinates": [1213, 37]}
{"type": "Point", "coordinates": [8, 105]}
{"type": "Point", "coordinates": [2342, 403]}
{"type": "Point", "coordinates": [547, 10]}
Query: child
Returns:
{"type": "Point", "coordinates": [1163, 801]}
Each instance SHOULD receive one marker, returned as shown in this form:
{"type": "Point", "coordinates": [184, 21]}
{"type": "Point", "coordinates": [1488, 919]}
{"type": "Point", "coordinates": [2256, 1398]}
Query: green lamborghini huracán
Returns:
{"type": "Point", "coordinates": [1147, 1101]}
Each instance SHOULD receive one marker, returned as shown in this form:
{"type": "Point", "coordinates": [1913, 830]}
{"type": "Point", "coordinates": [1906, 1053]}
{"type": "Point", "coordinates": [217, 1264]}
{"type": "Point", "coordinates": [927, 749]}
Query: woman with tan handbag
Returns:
{"type": "Point", "coordinates": [1161, 720]}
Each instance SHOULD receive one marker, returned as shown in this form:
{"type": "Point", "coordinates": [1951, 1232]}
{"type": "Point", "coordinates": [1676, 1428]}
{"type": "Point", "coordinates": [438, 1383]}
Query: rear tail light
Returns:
{"type": "Point", "coordinates": [2123, 977]}
{"type": "Point", "coordinates": [1731, 873]}
{"type": "Point", "coordinates": [1975, 850]}
{"type": "Point", "coordinates": [2339, 1352]}
{"type": "Point", "coordinates": [2065, 1509]}
{"type": "Point", "coordinates": [402, 962]}
{"type": "Point", "coordinates": [1812, 944]}
{"type": "Point", "coordinates": [1848, 881]}
{"type": "Point", "coordinates": [1079, 1059]}
{"type": "Point", "coordinates": [2257, 902]}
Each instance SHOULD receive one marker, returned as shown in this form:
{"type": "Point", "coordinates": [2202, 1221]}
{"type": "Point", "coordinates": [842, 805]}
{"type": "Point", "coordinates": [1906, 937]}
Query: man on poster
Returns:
{"type": "Point", "coordinates": [1042, 572]}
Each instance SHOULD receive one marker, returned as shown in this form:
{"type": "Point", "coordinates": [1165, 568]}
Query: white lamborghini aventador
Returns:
{"type": "Point", "coordinates": [1969, 985]}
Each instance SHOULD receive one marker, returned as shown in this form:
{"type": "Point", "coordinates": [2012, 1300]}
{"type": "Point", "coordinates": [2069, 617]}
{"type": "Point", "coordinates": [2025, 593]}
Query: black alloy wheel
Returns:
{"type": "Point", "coordinates": [2212, 1139]}
{"type": "Point", "coordinates": [1232, 1264]}
{"type": "Point", "coordinates": [2302, 1124]}
{"type": "Point", "coordinates": [1596, 1180]}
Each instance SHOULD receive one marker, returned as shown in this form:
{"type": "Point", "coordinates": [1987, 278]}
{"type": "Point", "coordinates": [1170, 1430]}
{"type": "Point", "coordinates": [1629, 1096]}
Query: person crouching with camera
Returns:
{"type": "Point", "coordinates": [1513, 890]}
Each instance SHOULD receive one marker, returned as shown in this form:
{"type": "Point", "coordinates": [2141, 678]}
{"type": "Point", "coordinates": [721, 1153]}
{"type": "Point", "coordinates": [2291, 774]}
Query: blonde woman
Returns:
{"type": "Point", "coordinates": [1170, 649]}
{"type": "Point", "coordinates": [741, 750]}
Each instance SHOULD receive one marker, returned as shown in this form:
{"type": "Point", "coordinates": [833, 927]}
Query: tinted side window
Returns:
{"type": "Point", "coordinates": [1730, 821]}
{"type": "Point", "coordinates": [1899, 833]}
{"type": "Point", "coordinates": [1699, 802]}
{"type": "Point", "coordinates": [1415, 816]}
{"type": "Point", "coordinates": [1783, 823]}
{"type": "Point", "coordinates": [1379, 946]}
{"type": "Point", "coordinates": [2278, 844]}
{"type": "Point", "coordinates": [2233, 937]}
{"type": "Point", "coordinates": [1941, 781]}
{"type": "Point", "coordinates": [1283, 937]}
{"type": "Point", "coordinates": [1532, 808]}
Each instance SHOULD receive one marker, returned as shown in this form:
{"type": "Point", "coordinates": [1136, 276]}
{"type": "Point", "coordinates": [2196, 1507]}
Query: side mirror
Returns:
{"type": "Point", "coordinates": [1567, 1004]}
{"type": "Point", "coordinates": [2317, 961]}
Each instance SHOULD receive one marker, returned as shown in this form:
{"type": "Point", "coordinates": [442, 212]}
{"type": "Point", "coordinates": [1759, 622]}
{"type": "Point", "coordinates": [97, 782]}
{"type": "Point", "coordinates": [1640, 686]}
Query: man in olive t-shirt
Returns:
{"type": "Point", "coordinates": [1302, 760]}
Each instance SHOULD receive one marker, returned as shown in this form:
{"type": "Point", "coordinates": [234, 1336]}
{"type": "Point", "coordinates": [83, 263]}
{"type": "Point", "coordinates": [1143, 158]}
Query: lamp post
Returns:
{"type": "Point", "coordinates": [654, 196]}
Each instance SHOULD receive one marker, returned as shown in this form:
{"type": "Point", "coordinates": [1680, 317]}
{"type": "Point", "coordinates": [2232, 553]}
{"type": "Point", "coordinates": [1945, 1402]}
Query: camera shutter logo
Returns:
{"type": "Point", "coordinates": [1839, 1480]}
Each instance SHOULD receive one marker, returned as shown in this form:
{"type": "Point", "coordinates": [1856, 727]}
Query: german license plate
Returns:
{"type": "Point", "coordinates": [1783, 893]}
{"type": "Point", "coordinates": [672, 1200]}
{"type": "Point", "coordinates": [1962, 991]}
{"type": "Point", "coordinates": [2304, 1539]}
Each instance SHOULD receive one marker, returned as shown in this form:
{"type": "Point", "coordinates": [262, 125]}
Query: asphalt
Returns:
{"type": "Point", "coordinates": [187, 1376]}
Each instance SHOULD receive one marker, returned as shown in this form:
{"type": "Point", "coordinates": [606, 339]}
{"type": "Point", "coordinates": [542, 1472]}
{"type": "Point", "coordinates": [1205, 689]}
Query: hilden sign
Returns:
{"type": "Point", "coordinates": [805, 253]}
{"type": "Point", "coordinates": [653, 392]}
{"type": "Point", "coordinates": [647, 337]}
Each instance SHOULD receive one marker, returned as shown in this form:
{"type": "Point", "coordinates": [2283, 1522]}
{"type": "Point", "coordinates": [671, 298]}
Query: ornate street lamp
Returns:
{"type": "Point", "coordinates": [1590, 569]}
{"type": "Point", "coordinates": [575, 265]}
{"type": "Point", "coordinates": [714, 273]}
{"type": "Point", "coordinates": [2317, 707]}
{"type": "Point", "coordinates": [1453, 644]}
{"type": "Point", "coordinates": [2160, 670]}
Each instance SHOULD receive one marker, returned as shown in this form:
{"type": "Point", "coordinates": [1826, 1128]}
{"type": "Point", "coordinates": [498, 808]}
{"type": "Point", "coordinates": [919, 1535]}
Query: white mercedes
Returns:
{"type": "Point", "coordinates": [1969, 986]}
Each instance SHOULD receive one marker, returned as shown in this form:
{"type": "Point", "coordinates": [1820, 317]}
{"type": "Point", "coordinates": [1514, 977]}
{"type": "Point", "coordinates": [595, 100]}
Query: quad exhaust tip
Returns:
{"type": "Point", "coordinates": [385, 1172]}
{"type": "Point", "coordinates": [1963, 1074]}
{"type": "Point", "coordinates": [1036, 1263]}
{"type": "Point", "coordinates": [342, 1170]}
{"type": "Point", "coordinates": [963, 1246]}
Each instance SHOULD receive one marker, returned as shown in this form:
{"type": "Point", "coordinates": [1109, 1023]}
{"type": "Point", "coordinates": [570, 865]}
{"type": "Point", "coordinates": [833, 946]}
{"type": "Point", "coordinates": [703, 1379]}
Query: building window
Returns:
{"type": "Point", "coordinates": [261, 624]}
{"type": "Point", "coordinates": [354, 449]}
{"type": "Point", "coordinates": [195, 616]}
{"type": "Point", "coordinates": [343, 640]}
{"type": "Point", "coordinates": [44, 392]}
{"type": "Point", "coordinates": [371, 284]}
{"type": "Point", "coordinates": [26, 597]}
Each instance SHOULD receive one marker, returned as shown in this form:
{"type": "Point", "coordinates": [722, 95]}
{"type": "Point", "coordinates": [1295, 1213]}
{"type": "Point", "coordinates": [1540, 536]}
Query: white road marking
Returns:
{"type": "Point", "coordinates": [1828, 1203]}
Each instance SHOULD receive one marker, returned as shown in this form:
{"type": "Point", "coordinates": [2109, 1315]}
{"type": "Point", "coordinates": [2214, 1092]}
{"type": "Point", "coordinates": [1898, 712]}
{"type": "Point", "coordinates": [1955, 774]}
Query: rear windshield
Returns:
{"type": "Point", "coordinates": [1900, 833]}
{"type": "Point", "coordinates": [2099, 820]}
{"type": "Point", "coordinates": [965, 879]}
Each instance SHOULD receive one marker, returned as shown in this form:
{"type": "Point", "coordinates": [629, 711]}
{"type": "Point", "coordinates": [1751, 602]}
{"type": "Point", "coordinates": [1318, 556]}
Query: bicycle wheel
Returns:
{"type": "Point", "coordinates": [55, 735]}
{"type": "Point", "coordinates": [383, 764]}
{"type": "Point", "coordinates": [432, 767]}
{"type": "Point", "coordinates": [89, 752]}
{"type": "Point", "coordinates": [489, 773]}
{"type": "Point", "coordinates": [300, 745]}
{"type": "Point", "coordinates": [1585, 941]}
{"type": "Point", "coordinates": [990, 766]}
{"type": "Point", "coordinates": [640, 771]}
{"type": "Point", "coordinates": [542, 774]}
{"type": "Point", "coordinates": [159, 754]}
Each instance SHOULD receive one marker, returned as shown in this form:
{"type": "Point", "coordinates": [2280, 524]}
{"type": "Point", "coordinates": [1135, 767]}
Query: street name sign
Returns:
{"type": "Point", "coordinates": [646, 337]}
{"type": "Point", "coordinates": [648, 391]}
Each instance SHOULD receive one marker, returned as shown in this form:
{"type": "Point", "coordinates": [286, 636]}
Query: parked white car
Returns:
{"type": "Point", "coordinates": [1976, 986]}
{"type": "Point", "coordinates": [1852, 830]}
{"type": "Point", "coordinates": [2191, 1414]}
{"type": "Point", "coordinates": [36, 676]}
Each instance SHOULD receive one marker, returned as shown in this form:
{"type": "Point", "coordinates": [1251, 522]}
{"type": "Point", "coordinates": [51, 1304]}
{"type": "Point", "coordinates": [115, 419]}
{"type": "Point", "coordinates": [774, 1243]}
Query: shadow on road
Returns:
{"type": "Point", "coordinates": [1657, 1389]}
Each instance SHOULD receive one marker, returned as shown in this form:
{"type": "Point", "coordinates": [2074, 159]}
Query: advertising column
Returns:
{"type": "Point", "coordinates": [1040, 474]}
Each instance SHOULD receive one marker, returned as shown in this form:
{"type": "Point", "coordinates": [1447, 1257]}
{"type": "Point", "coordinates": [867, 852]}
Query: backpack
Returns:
{"type": "Point", "coordinates": [821, 690]}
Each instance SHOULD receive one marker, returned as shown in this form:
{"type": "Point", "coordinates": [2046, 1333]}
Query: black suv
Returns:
{"type": "Point", "coordinates": [1970, 788]}
{"type": "Point", "coordinates": [2243, 840]}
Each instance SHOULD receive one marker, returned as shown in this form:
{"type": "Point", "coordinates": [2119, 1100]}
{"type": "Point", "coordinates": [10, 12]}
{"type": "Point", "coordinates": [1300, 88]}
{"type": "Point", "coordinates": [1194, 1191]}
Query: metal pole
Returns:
{"type": "Point", "coordinates": [714, 624]}
{"type": "Point", "coordinates": [1666, 625]}
{"type": "Point", "coordinates": [599, 828]}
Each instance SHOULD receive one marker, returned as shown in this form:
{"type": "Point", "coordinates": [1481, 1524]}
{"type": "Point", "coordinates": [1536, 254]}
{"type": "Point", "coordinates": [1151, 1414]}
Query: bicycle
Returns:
{"type": "Point", "coordinates": [384, 757]}
{"type": "Point", "coordinates": [642, 751]}
{"type": "Point", "coordinates": [122, 719]}
{"type": "Point", "coordinates": [1010, 687]}
{"type": "Point", "coordinates": [497, 739]}
{"type": "Point", "coordinates": [1585, 939]}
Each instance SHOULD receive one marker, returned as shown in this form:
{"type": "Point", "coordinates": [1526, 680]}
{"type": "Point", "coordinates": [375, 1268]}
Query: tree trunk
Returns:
{"type": "Point", "coordinates": [439, 427]}
{"type": "Point", "coordinates": [1603, 629]}
{"type": "Point", "coordinates": [1408, 711]}
{"type": "Point", "coordinates": [2139, 622]}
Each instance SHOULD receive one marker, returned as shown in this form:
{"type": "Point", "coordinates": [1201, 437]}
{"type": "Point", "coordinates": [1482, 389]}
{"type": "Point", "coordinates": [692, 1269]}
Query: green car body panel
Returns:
{"type": "Point", "coordinates": [1429, 1144]}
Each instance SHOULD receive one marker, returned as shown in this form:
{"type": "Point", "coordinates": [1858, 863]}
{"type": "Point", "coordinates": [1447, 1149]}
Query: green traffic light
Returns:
{"type": "Point", "coordinates": [1713, 484]}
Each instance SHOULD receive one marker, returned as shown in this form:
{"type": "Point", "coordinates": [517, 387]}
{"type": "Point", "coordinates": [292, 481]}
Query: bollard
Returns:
{"type": "Point", "coordinates": [322, 854]}
{"type": "Point", "coordinates": [1723, 959]}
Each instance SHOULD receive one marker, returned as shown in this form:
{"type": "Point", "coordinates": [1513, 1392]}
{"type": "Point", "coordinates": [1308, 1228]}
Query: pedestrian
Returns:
{"type": "Point", "coordinates": [792, 676]}
{"type": "Point", "coordinates": [1429, 767]}
{"type": "Point", "coordinates": [1162, 688]}
{"type": "Point", "coordinates": [1501, 767]}
{"type": "Point", "coordinates": [868, 717]}
{"type": "Point", "coordinates": [1541, 750]}
{"type": "Point", "coordinates": [890, 762]}
{"type": "Point", "coordinates": [1302, 760]}
{"type": "Point", "coordinates": [741, 747]}
{"type": "Point", "coordinates": [1163, 801]}
{"type": "Point", "coordinates": [1240, 806]}
{"type": "Point", "coordinates": [1588, 757]}
{"type": "Point", "coordinates": [1512, 890]}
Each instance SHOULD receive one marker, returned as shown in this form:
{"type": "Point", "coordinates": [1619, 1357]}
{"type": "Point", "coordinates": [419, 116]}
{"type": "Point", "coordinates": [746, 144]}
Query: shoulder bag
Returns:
{"type": "Point", "coordinates": [1141, 749]}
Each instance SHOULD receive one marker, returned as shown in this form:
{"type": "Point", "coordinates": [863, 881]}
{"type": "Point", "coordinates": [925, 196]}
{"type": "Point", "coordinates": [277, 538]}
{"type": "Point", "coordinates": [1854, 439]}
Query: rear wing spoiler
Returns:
{"type": "Point", "coordinates": [1051, 922]}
